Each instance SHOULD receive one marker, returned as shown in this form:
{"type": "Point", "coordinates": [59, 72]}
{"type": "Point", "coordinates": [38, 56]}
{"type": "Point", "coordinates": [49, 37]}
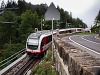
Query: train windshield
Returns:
{"type": "Point", "coordinates": [32, 43]}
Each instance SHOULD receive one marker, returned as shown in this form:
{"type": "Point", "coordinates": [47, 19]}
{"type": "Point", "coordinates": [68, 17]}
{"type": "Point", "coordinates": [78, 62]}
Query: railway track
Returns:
{"type": "Point", "coordinates": [22, 67]}
{"type": "Point", "coordinates": [33, 64]}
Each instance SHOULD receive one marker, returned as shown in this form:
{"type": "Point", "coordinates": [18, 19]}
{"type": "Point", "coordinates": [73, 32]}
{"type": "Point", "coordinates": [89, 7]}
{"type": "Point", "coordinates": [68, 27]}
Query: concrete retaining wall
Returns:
{"type": "Point", "coordinates": [73, 61]}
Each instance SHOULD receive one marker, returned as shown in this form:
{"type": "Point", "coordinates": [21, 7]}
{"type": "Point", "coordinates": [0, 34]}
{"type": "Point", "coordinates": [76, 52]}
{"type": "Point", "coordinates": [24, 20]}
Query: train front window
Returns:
{"type": "Point", "coordinates": [32, 47]}
{"type": "Point", "coordinates": [32, 43]}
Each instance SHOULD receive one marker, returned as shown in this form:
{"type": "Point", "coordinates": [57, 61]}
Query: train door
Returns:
{"type": "Point", "coordinates": [44, 40]}
{"type": "Point", "coordinates": [45, 43]}
{"type": "Point", "coordinates": [42, 44]}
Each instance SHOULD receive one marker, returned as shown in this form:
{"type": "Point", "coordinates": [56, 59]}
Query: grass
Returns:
{"type": "Point", "coordinates": [45, 68]}
{"type": "Point", "coordinates": [84, 33]}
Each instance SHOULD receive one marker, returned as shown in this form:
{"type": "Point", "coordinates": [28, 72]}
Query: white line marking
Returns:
{"type": "Point", "coordinates": [84, 46]}
{"type": "Point", "coordinates": [89, 40]}
{"type": "Point", "coordinates": [96, 37]}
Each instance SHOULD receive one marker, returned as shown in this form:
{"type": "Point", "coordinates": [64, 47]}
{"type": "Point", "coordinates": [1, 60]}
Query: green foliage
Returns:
{"type": "Point", "coordinates": [84, 33]}
{"type": "Point", "coordinates": [10, 49]}
{"type": "Point", "coordinates": [43, 72]}
{"type": "Point", "coordinates": [29, 21]}
{"type": "Point", "coordinates": [98, 16]}
{"type": "Point", "coordinates": [39, 71]}
{"type": "Point", "coordinates": [95, 29]}
{"type": "Point", "coordinates": [46, 67]}
{"type": "Point", "coordinates": [8, 16]}
{"type": "Point", "coordinates": [26, 22]}
{"type": "Point", "coordinates": [36, 21]}
{"type": "Point", "coordinates": [22, 6]}
{"type": "Point", "coordinates": [41, 9]}
{"type": "Point", "coordinates": [8, 30]}
{"type": "Point", "coordinates": [77, 23]}
{"type": "Point", "coordinates": [11, 4]}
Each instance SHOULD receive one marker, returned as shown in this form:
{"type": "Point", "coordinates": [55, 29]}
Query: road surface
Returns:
{"type": "Point", "coordinates": [89, 42]}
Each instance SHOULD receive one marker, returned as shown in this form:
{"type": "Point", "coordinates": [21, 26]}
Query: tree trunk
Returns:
{"type": "Point", "coordinates": [10, 39]}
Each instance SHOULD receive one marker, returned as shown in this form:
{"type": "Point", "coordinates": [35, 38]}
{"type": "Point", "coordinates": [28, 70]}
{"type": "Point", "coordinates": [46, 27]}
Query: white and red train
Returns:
{"type": "Point", "coordinates": [38, 43]}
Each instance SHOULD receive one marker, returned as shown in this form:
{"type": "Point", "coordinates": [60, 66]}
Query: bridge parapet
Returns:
{"type": "Point", "coordinates": [76, 61]}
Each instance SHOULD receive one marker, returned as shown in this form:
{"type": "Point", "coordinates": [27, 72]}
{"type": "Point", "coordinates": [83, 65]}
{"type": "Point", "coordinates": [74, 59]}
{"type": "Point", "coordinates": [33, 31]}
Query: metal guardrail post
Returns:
{"type": "Point", "coordinates": [12, 57]}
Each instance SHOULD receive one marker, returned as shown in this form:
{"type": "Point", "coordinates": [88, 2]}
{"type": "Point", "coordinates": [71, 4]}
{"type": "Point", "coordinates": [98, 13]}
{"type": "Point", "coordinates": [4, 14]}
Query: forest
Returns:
{"type": "Point", "coordinates": [20, 18]}
{"type": "Point", "coordinates": [96, 27]}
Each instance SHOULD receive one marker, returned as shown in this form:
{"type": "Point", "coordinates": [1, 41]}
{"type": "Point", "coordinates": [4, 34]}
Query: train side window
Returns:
{"type": "Point", "coordinates": [49, 38]}
{"type": "Point", "coordinates": [42, 43]}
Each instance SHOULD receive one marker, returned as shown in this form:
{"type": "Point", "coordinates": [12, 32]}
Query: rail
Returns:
{"type": "Point", "coordinates": [12, 57]}
{"type": "Point", "coordinates": [25, 66]}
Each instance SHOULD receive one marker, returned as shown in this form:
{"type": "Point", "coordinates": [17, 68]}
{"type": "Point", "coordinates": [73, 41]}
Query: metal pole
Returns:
{"type": "Point", "coordinates": [41, 25]}
{"type": "Point", "coordinates": [52, 41]}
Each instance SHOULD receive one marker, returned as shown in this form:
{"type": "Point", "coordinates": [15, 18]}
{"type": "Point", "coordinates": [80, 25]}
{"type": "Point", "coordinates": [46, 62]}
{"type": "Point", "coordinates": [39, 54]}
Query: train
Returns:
{"type": "Point", "coordinates": [38, 43]}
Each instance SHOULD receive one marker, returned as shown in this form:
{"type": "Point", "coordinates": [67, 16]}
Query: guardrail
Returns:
{"type": "Point", "coordinates": [11, 58]}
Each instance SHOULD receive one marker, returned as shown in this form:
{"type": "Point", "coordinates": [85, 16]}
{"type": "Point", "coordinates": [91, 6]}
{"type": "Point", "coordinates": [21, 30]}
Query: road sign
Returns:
{"type": "Point", "coordinates": [52, 12]}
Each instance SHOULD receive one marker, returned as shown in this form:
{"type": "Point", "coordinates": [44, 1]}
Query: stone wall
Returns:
{"type": "Point", "coordinates": [73, 61]}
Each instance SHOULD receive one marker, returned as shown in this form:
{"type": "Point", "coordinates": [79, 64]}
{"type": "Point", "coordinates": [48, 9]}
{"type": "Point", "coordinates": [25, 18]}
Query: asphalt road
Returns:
{"type": "Point", "coordinates": [90, 42]}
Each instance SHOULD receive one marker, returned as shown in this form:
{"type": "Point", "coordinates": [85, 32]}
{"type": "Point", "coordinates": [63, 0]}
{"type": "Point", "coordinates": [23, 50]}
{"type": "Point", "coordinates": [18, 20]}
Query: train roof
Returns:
{"type": "Point", "coordinates": [34, 35]}
{"type": "Point", "coordinates": [38, 34]}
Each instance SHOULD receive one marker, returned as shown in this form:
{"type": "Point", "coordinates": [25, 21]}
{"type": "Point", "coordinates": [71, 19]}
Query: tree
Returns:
{"type": "Point", "coordinates": [41, 9]}
{"type": "Point", "coordinates": [36, 21]}
{"type": "Point", "coordinates": [22, 6]}
{"type": "Point", "coordinates": [9, 4]}
{"type": "Point", "coordinates": [26, 21]}
{"type": "Point", "coordinates": [98, 22]}
{"type": "Point", "coordinates": [7, 28]}
{"type": "Point", "coordinates": [98, 16]}
{"type": "Point", "coordinates": [95, 29]}
{"type": "Point", "coordinates": [29, 22]}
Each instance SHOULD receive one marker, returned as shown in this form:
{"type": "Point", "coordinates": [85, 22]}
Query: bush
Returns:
{"type": "Point", "coordinates": [45, 68]}
{"type": "Point", "coordinates": [10, 49]}
{"type": "Point", "coordinates": [43, 72]}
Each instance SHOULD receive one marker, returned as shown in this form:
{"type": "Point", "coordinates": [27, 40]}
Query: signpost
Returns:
{"type": "Point", "coordinates": [52, 14]}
